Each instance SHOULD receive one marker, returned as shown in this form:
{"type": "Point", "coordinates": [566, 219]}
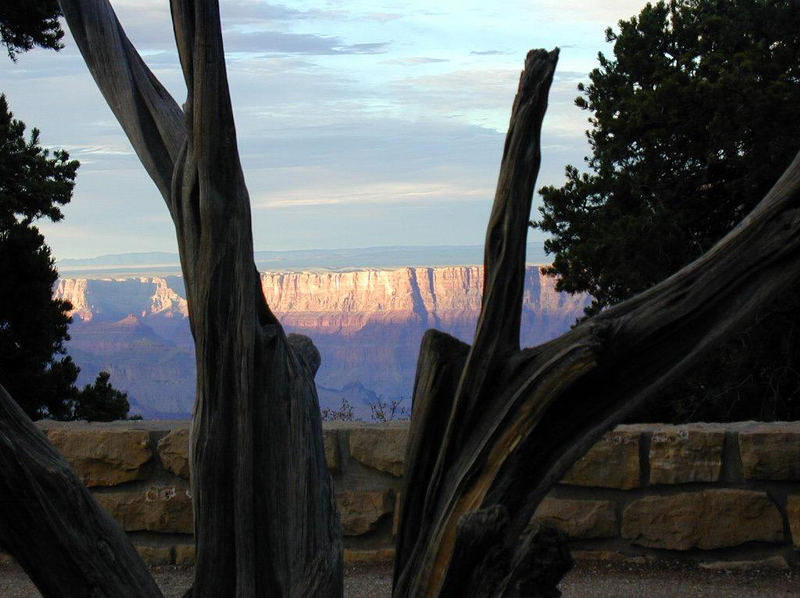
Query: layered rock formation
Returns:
{"type": "Point", "coordinates": [367, 325]}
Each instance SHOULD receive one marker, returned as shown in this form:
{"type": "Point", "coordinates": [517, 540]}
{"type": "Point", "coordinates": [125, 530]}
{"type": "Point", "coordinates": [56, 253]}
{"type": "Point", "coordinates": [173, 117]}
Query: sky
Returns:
{"type": "Point", "coordinates": [362, 123]}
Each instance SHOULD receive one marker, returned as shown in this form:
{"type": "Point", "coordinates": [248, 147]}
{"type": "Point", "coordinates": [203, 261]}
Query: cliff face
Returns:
{"type": "Point", "coordinates": [448, 298]}
{"type": "Point", "coordinates": [367, 324]}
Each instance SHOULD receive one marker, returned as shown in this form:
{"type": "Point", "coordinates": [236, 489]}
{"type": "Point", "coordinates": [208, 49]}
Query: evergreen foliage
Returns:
{"type": "Point", "coordinates": [34, 366]}
{"type": "Point", "coordinates": [692, 120]}
{"type": "Point", "coordinates": [30, 23]}
{"type": "Point", "coordinates": [101, 401]}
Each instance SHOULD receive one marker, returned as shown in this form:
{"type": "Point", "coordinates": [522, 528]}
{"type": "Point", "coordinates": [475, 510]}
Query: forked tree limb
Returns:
{"type": "Point", "coordinates": [546, 406]}
{"type": "Point", "coordinates": [51, 524]}
{"type": "Point", "coordinates": [150, 117]}
{"type": "Point", "coordinates": [265, 517]}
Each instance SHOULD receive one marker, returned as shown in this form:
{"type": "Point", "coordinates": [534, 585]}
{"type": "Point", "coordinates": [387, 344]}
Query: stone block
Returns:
{"type": "Point", "coordinates": [793, 514]}
{"type": "Point", "coordinates": [771, 451]}
{"type": "Point", "coordinates": [707, 520]}
{"type": "Point", "coordinates": [682, 454]}
{"type": "Point", "coordinates": [103, 456]}
{"type": "Point", "coordinates": [613, 462]}
{"type": "Point", "coordinates": [166, 509]}
{"type": "Point", "coordinates": [361, 511]}
{"type": "Point", "coordinates": [185, 555]}
{"type": "Point", "coordinates": [371, 557]}
{"type": "Point", "coordinates": [579, 518]}
{"type": "Point", "coordinates": [173, 450]}
{"type": "Point", "coordinates": [155, 556]}
{"type": "Point", "coordinates": [331, 440]}
{"type": "Point", "coordinates": [382, 448]}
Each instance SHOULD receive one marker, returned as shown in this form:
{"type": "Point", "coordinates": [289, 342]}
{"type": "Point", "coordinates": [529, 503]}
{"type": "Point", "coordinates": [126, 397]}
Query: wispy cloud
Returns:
{"type": "Point", "coordinates": [379, 122]}
{"type": "Point", "coordinates": [77, 151]}
{"type": "Point", "coordinates": [486, 52]}
{"type": "Point", "coordinates": [298, 43]}
{"type": "Point", "coordinates": [379, 193]}
{"type": "Point", "coordinates": [416, 60]}
{"type": "Point", "coordinates": [383, 17]}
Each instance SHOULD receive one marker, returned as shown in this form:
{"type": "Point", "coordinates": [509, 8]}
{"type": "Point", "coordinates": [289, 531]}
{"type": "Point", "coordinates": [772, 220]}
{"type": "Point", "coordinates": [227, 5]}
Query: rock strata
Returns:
{"type": "Point", "coordinates": [707, 520]}
{"type": "Point", "coordinates": [361, 511]}
{"type": "Point", "coordinates": [103, 457]}
{"type": "Point", "coordinates": [173, 450]}
{"type": "Point", "coordinates": [613, 462]}
{"type": "Point", "coordinates": [579, 518]}
{"type": "Point", "coordinates": [771, 451]}
{"type": "Point", "coordinates": [383, 448]}
{"type": "Point", "coordinates": [683, 454]}
{"type": "Point", "coordinates": [165, 509]}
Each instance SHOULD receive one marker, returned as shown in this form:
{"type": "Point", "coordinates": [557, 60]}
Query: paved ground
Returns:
{"type": "Point", "coordinates": [587, 580]}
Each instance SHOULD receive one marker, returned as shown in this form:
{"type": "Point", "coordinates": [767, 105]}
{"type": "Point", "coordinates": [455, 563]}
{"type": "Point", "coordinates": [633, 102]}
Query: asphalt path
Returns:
{"type": "Point", "coordinates": [588, 579]}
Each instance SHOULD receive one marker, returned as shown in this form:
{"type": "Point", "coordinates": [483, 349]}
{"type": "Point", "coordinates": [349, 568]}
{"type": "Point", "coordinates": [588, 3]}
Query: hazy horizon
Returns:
{"type": "Point", "coordinates": [380, 257]}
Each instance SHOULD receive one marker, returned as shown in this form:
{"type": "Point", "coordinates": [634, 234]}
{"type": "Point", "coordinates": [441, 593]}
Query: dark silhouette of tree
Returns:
{"type": "Point", "coordinates": [29, 23]}
{"type": "Point", "coordinates": [34, 367]}
{"type": "Point", "coordinates": [692, 120]}
{"type": "Point", "coordinates": [101, 401]}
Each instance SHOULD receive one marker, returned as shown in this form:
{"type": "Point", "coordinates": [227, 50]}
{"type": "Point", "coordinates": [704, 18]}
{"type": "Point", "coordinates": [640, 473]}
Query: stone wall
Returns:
{"type": "Point", "coordinates": [726, 495]}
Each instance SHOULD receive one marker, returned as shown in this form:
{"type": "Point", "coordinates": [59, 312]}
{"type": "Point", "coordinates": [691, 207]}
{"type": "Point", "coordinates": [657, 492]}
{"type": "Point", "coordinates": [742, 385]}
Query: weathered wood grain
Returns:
{"type": "Point", "coordinates": [518, 419]}
{"type": "Point", "coordinates": [51, 524]}
{"type": "Point", "coordinates": [265, 517]}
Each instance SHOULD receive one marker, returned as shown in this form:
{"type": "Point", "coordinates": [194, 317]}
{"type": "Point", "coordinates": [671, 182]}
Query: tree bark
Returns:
{"type": "Point", "coordinates": [493, 426]}
{"type": "Point", "coordinates": [265, 517]}
{"type": "Point", "coordinates": [53, 526]}
{"type": "Point", "coordinates": [493, 431]}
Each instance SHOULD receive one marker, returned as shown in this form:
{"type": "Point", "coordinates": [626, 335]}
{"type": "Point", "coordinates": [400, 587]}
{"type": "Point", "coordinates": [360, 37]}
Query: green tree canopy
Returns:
{"type": "Point", "coordinates": [692, 121]}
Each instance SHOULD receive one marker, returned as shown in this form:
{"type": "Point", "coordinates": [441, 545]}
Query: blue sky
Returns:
{"type": "Point", "coordinates": [360, 123]}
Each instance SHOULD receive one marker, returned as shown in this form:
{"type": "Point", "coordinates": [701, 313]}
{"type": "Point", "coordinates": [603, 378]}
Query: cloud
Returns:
{"type": "Point", "coordinates": [415, 60]}
{"type": "Point", "coordinates": [383, 17]}
{"type": "Point", "coordinates": [570, 76]}
{"type": "Point", "coordinates": [297, 43]}
{"type": "Point", "coordinates": [248, 11]}
{"type": "Point", "coordinates": [486, 52]}
{"type": "Point", "coordinates": [378, 193]}
{"type": "Point", "coordinates": [78, 151]}
{"type": "Point", "coordinates": [607, 13]}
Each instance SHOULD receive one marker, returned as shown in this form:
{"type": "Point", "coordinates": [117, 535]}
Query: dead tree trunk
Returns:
{"type": "Point", "coordinates": [265, 517]}
{"type": "Point", "coordinates": [65, 541]}
{"type": "Point", "coordinates": [493, 427]}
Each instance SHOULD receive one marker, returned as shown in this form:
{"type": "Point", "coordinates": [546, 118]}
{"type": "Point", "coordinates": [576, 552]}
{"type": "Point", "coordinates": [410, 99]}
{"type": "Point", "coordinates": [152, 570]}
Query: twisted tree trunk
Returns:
{"type": "Point", "coordinates": [265, 517]}
{"type": "Point", "coordinates": [49, 521]}
{"type": "Point", "coordinates": [494, 427]}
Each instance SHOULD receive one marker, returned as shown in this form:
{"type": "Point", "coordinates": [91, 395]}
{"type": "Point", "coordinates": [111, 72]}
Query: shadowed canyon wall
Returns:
{"type": "Point", "coordinates": [367, 325]}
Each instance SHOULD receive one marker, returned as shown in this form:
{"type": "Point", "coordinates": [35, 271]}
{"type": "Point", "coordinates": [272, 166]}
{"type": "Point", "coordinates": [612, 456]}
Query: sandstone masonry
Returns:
{"type": "Point", "coordinates": [724, 495]}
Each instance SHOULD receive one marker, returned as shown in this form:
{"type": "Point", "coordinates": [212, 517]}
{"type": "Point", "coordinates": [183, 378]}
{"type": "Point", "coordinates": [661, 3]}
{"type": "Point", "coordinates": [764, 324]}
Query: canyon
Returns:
{"type": "Point", "coordinates": [367, 324]}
